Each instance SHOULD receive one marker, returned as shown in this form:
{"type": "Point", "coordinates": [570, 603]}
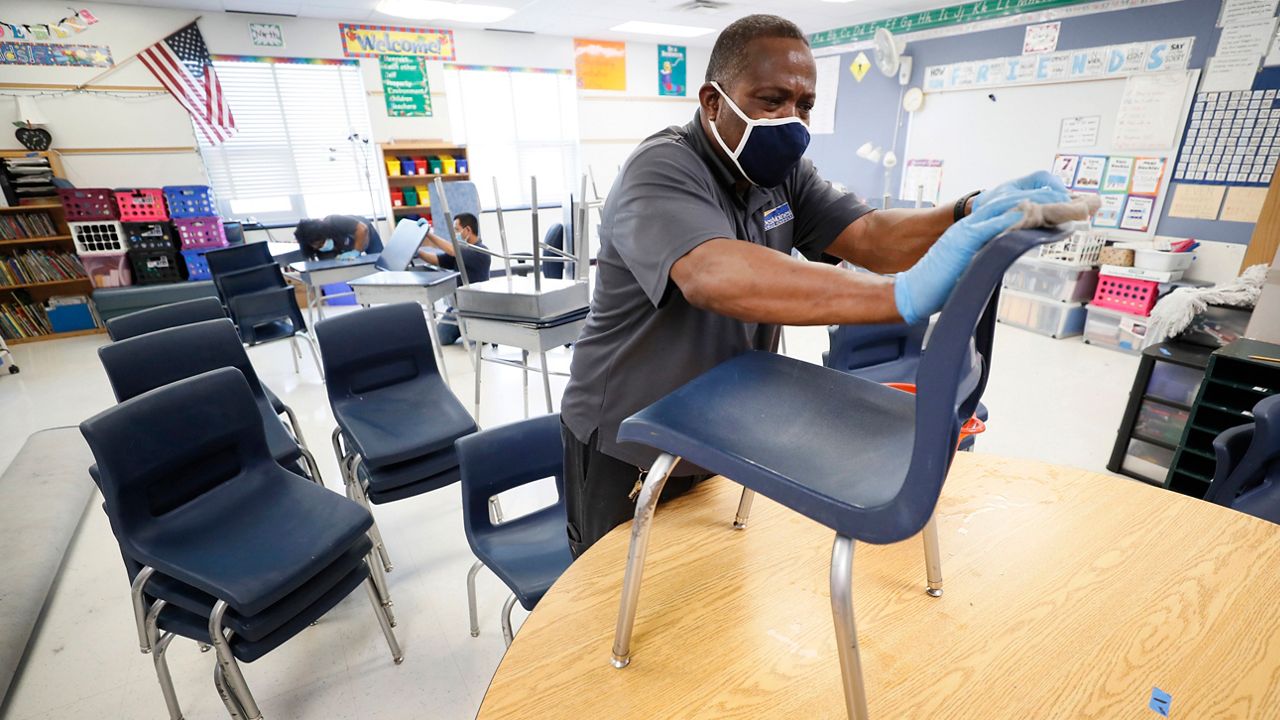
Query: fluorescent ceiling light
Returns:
{"type": "Point", "coordinates": [451, 11]}
{"type": "Point", "coordinates": [639, 27]}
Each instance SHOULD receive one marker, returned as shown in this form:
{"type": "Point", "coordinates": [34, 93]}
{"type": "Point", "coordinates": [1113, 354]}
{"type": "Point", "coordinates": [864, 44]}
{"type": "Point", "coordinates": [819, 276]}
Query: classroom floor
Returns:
{"type": "Point", "coordinates": [1056, 400]}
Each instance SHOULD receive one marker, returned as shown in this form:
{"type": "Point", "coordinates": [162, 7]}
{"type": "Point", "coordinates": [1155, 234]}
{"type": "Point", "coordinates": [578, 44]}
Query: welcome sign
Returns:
{"type": "Point", "coordinates": [376, 40]}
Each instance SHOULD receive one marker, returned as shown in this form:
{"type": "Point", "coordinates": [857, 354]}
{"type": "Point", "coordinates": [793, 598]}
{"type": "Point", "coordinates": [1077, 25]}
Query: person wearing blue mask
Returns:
{"type": "Point", "coordinates": [336, 236]}
{"type": "Point", "coordinates": [695, 263]}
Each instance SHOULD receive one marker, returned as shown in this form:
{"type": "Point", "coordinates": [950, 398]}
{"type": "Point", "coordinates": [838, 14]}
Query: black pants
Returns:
{"type": "Point", "coordinates": [597, 490]}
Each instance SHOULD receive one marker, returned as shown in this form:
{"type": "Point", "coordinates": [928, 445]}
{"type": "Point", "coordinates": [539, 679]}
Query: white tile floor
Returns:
{"type": "Point", "coordinates": [1056, 400]}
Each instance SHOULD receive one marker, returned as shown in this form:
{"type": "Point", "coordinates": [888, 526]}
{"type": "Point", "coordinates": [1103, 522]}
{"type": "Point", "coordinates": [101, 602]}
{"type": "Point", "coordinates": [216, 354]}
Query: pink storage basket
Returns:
{"type": "Point", "coordinates": [141, 205]}
{"type": "Point", "coordinates": [1128, 295]}
{"type": "Point", "coordinates": [200, 233]}
{"type": "Point", "coordinates": [108, 271]}
{"type": "Point", "coordinates": [89, 203]}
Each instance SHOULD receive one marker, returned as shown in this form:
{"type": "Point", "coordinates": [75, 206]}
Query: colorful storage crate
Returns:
{"type": "Point", "coordinates": [103, 237]}
{"type": "Point", "coordinates": [1128, 295]}
{"type": "Point", "coordinates": [397, 197]}
{"type": "Point", "coordinates": [393, 166]}
{"type": "Point", "coordinates": [89, 203]}
{"type": "Point", "coordinates": [197, 265]}
{"type": "Point", "coordinates": [155, 267]}
{"type": "Point", "coordinates": [463, 166]}
{"type": "Point", "coordinates": [410, 196]}
{"type": "Point", "coordinates": [448, 165]}
{"type": "Point", "coordinates": [141, 205]}
{"type": "Point", "coordinates": [108, 271]}
{"type": "Point", "coordinates": [424, 195]}
{"type": "Point", "coordinates": [200, 233]}
{"type": "Point", "coordinates": [189, 201]}
{"type": "Point", "coordinates": [153, 236]}
{"type": "Point", "coordinates": [420, 166]}
{"type": "Point", "coordinates": [436, 165]}
{"type": "Point", "coordinates": [407, 165]}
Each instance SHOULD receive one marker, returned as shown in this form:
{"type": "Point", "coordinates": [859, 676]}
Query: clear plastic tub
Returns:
{"type": "Point", "coordinates": [1052, 281]}
{"type": "Point", "coordinates": [1148, 461]}
{"type": "Point", "coordinates": [1160, 422]}
{"type": "Point", "coordinates": [1047, 317]}
{"type": "Point", "coordinates": [1115, 330]}
{"type": "Point", "coordinates": [1162, 260]}
{"type": "Point", "coordinates": [1175, 383]}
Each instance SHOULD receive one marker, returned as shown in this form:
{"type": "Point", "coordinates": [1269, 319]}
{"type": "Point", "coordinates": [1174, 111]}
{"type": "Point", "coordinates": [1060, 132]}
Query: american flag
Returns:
{"type": "Point", "coordinates": [181, 63]}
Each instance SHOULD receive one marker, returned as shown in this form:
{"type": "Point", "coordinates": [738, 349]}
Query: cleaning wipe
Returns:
{"type": "Point", "coordinates": [1079, 208]}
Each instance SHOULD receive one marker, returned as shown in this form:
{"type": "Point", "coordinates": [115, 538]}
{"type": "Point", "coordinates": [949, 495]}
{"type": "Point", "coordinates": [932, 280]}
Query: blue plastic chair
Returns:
{"type": "Point", "coordinates": [527, 553]}
{"type": "Point", "coordinates": [397, 419]}
{"type": "Point", "coordinates": [870, 462]}
{"type": "Point", "coordinates": [216, 535]}
{"type": "Point", "coordinates": [883, 353]}
{"type": "Point", "coordinates": [1247, 476]}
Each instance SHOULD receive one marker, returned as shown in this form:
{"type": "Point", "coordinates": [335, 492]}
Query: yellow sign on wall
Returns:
{"type": "Point", "coordinates": [601, 64]}
{"type": "Point", "coordinates": [375, 40]}
{"type": "Point", "coordinates": [860, 66]}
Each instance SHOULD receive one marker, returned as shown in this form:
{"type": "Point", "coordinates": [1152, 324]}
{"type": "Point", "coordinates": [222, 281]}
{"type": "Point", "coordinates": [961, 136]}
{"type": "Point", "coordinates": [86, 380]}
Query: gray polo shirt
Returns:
{"type": "Point", "coordinates": [643, 339]}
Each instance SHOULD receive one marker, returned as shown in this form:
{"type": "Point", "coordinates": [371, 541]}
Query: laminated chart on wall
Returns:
{"type": "Point", "coordinates": [1127, 185]}
{"type": "Point", "coordinates": [1230, 139]}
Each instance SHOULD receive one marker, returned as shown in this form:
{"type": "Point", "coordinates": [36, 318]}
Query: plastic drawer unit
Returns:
{"type": "Point", "coordinates": [1037, 314]}
{"type": "Point", "coordinates": [1116, 330]}
{"type": "Point", "coordinates": [1052, 281]}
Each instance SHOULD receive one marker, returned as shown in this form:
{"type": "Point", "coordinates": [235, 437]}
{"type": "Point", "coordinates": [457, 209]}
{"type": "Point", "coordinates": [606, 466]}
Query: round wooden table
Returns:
{"type": "Point", "coordinates": [1068, 594]}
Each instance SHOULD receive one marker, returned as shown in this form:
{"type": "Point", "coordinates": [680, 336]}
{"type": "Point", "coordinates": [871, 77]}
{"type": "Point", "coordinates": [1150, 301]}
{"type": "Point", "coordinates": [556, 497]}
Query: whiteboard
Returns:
{"type": "Point", "coordinates": [984, 142]}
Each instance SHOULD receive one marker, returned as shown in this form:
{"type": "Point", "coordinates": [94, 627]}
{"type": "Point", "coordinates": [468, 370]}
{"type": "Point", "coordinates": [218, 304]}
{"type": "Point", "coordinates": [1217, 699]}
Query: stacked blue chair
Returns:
{"type": "Point", "coordinates": [397, 419]}
{"type": "Point", "coordinates": [530, 552]}
{"type": "Point", "coordinates": [185, 313]}
{"type": "Point", "coordinates": [1247, 476]}
{"type": "Point", "coordinates": [221, 545]}
{"type": "Point", "coordinates": [871, 462]}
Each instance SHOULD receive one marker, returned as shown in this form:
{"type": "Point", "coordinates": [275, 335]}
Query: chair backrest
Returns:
{"type": "Point", "coordinates": [238, 257]}
{"type": "Point", "coordinates": [954, 368]}
{"type": "Point", "coordinates": [496, 460]}
{"type": "Point", "coordinates": [857, 347]}
{"type": "Point", "coordinates": [463, 197]}
{"type": "Point", "coordinates": [164, 448]}
{"type": "Point", "coordinates": [234, 230]}
{"type": "Point", "coordinates": [146, 362]}
{"type": "Point", "coordinates": [374, 348]}
{"type": "Point", "coordinates": [403, 246]}
{"type": "Point", "coordinates": [165, 317]}
{"type": "Point", "coordinates": [554, 238]}
{"type": "Point", "coordinates": [1253, 484]}
{"type": "Point", "coordinates": [249, 280]}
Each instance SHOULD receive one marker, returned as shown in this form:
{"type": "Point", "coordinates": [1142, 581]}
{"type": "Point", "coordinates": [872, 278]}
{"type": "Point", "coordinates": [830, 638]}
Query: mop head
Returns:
{"type": "Point", "coordinates": [1079, 208]}
{"type": "Point", "coordinates": [1175, 311]}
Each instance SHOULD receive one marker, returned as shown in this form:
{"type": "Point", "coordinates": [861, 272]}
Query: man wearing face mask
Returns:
{"type": "Point", "coordinates": [438, 251]}
{"type": "Point", "coordinates": [695, 261]}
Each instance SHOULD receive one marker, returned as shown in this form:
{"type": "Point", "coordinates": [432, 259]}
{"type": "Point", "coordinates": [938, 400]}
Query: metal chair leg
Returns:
{"type": "Point", "coordinates": [524, 373]}
{"type": "Point", "coordinates": [546, 381]}
{"type": "Point", "coordinates": [313, 469]}
{"type": "Point", "coordinates": [380, 584]}
{"type": "Point", "coordinates": [315, 353]}
{"type": "Point", "coordinates": [744, 509]}
{"type": "Point", "coordinates": [855, 694]}
{"type": "Point", "coordinates": [294, 354]}
{"type": "Point", "coordinates": [640, 527]}
{"type": "Point", "coordinates": [357, 493]}
{"type": "Point", "coordinates": [932, 557]}
{"type": "Point", "coordinates": [495, 511]}
{"type": "Point", "coordinates": [384, 621]}
{"type": "Point", "coordinates": [230, 668]}
{"type": "Point", "coordinates": [140, 607]}
{"type": "Point", "coordinates": [479, 359]}
{"type": "Point", "coordinates": [159, 644]}
{"type": "Point", "coordinates": [508, 635]}
{"type": "Point", "coordinates": [294, 426]}
{"type": "Point", "coordinates": [471, 597]}
{"type": "Point", "coordinates": [228, 700]}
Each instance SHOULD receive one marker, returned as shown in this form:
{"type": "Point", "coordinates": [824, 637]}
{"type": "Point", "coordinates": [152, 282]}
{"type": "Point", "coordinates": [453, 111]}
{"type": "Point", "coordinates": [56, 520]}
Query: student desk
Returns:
{"type": "Point", "coordinates": [1068, 594]}
{"type": "Point", "coordinates": [423, 287]}
{"type": "Point", "coordinates": [316, 273]}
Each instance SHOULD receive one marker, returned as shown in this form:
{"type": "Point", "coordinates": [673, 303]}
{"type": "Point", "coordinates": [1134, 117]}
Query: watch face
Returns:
{"type": "Point", "coordinates": [913, 100]}
{"type": "Point", "coordinates": [34, 138]}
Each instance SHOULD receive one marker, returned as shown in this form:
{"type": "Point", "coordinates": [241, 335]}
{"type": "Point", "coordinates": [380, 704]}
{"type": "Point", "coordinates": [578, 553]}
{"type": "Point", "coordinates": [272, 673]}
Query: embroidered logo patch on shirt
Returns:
{"type": "Point", "coordinates": [778, 216]}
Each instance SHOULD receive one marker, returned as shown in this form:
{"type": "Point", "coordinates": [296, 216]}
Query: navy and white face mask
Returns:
{"type": "Point", "coordinates": [769, 148]}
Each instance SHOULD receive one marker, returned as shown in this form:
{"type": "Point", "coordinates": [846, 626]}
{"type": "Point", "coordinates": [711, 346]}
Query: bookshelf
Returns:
{"type": "Point", "coordinates": [22, 239]}
{"type": "Point", "coordinates": [399, 182]}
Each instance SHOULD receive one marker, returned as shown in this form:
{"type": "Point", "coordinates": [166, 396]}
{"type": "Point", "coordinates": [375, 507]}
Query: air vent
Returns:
{"type": "Point", "coordinates": [702, 7]}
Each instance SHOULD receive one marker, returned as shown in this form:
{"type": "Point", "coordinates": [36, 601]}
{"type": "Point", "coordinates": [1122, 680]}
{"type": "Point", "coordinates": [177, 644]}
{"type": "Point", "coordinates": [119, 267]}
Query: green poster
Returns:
{"type": "Point", "coordinates": [671, 78]}
{"type": "Point", "coordinates": [404, 86]}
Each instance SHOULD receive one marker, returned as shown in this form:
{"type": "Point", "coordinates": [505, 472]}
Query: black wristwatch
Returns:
{"type": "Point", "coordinates": [958, 213]}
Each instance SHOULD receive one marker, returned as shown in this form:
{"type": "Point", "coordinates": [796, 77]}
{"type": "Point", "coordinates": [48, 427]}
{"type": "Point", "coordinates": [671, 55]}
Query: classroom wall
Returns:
{"type": "Point", "coordinates": [867, 110]}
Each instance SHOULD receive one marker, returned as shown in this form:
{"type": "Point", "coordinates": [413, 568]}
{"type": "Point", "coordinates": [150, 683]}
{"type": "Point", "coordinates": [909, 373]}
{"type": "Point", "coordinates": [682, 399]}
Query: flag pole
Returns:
{"type": "Point", "coordinates": [122, 63]}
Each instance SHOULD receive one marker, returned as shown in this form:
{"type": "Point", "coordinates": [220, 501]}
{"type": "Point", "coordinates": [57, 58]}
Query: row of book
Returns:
{"type": "Point", "coordinates": [23, 320]}
{"type": "Point", "coordinates": [18, 226]}
{"type": "Point", "coordinates": [34, 266]}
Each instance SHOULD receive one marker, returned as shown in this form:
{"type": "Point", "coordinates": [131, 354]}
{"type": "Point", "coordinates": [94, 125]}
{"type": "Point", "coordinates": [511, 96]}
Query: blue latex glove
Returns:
{"type": "Point", "coordinates": [349, 255]}
{"type": "Point", "coordinates": [1034, 181]}
{"type": "Point", "coordinates": [922, 290]}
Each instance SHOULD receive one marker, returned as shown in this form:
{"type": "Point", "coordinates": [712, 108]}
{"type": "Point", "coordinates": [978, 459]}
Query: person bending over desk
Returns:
{"type": "Point", "coordinates": [439, 252]}
{"type": "Point", "coordinates": [336, 236]}
{"type": "Point", "coordinates": [695, 261]}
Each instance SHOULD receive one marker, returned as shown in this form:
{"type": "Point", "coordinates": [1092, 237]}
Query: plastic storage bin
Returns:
{"type": "Point", "coordinates": [1047, 317]}
{"type": "Point", "coordinates": [408, 166]}
{"type": "Point", "coordinates": [197, 266]}
{"type": "Point", "coordinates": [155, 267]}
{"type": "Point", "coordinates": [435, 165]}
{"type": "Point", "coordinates": [150, 236]}
{"type": "Point", "coordinates": [141, 205]}
{"type": "Point", "coordinates": [397, 197]}
{"type": "Point", "coordinates": [202, 233]}
{"type": "Point", "coordinates": [104, 237]}
{"type": "Point", "coordinates": [1052, 281]}
{"type": "Point", "coordinates": [1128, 295]}
{"type": "Point", "coordinates": [1081, 248]}
{"type": "Point", "coordinates": [463, 166]}
{"type": "Point", "coordinates": [188, 201]}
{"type": "Point", "coordinates": [424, 195]}
{"type": "Point", "coordinates": [420, 166]}
{"type": "Point", "coordinates": [1116, 330]}
{"type": "Point", "coordinates": [448, 165]}
{"type": "Point", "coordinates": [1160, 422]}
{"type": "Point", "coordinates": [1162, 260]}
{"type": "Point", "coordinates": [1146, 460]}
{"type": "Point", "coordinates": [393, 166]}
{"type": "Point", "coordinates": [410, 196]}
{"type": "Point", "coordinates": [70, 317]}
{"type": "Point", "coordinates": [108, 271]}
{"type": "Point", "coordinates": [89, 203]}
{"type": "Point", "coordinates": [1174, 383]}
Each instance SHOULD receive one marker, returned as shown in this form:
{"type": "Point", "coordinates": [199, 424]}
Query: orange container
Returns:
{"type": "Point", "coordinates": [972, 426]}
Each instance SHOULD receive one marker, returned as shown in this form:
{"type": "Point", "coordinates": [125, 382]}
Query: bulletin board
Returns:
{"type": "Point", "coordinates": [989, 135]}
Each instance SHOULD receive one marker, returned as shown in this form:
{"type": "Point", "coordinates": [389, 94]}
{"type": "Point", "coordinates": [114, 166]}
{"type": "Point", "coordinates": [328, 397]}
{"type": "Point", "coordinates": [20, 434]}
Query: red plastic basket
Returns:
{"type": "Point", "coordinates": [1128, 295]}
{"type": "Point", "coordinates": [200, 233]}
{"type": "Point", "coordinates": [89, 203]}
{"type": "Point", "coordinates": [141, 205]}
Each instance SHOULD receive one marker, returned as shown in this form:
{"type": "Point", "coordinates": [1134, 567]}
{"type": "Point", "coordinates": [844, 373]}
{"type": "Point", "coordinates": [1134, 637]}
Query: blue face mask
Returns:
{"type": "Point", "coordinates": [327, 246]}
{"type": "Point", "coordinates": [769, 148]}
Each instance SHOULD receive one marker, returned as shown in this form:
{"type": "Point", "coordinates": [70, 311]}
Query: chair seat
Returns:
{"type": "Point", "coordinates": [824, 443]}
{"type": "Point", "coordinates": [403, 422]}
{"type": "Point", "coordinates": [390, 477]}
{"type": "Point", "coordinates": [236, 542]}
{"type": "Point", "coordinates": [528, 554]}
{"type": "Point", "coordinates": [268, 331]}
{"type": "Point", "coordinates": [426, 485]}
